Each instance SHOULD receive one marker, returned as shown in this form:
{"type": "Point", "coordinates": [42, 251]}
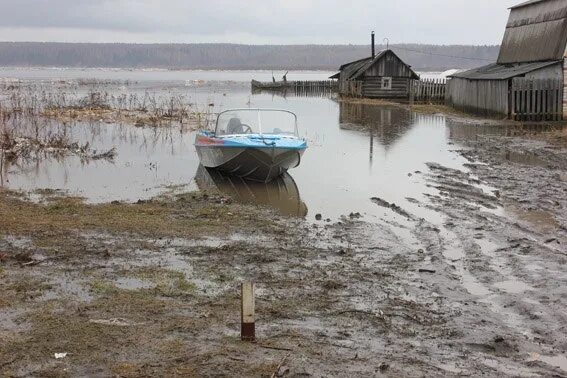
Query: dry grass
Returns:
{"type": "Point", "coordinates": [101, 105]}
{"type": "Point", "coordinates": [186, 215]}
{"type": "Point", "coordinates": [557, 137]}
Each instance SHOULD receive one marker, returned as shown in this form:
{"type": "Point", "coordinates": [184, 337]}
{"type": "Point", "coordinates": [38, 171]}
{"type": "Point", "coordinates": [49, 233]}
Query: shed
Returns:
{"type": "Point", "coordinates": [532, 51]}
{"type": "Point", "coordinates": [488, 90]}
{"type": "Point", "coordinates": [382, 76]}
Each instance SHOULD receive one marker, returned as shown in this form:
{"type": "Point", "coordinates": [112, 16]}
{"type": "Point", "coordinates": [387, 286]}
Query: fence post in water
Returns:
{"type": "Point", "coordinates": [248, 326]}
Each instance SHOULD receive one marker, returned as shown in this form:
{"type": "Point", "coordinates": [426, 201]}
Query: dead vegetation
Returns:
{"type": "Point", "coordinates": [98, 103]}
{"type": "Point", "coordinates": [19, 144]}
{"type": "Point", "coordinates": [191, 214]}
{"type": "Point", "coordinates": [34, 117]}
{"type": "Point", "coordinates": [557, 137]}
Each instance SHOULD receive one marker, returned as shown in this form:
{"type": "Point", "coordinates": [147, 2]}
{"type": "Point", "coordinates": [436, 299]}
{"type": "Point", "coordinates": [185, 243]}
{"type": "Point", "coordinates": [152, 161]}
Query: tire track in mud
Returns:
{"type": "Point", "coordinates": [503, 313]}
{"type": "Point", "coordinates": [488, 252]}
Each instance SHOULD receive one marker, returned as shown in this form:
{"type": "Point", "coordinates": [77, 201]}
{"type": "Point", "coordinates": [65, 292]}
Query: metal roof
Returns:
{"type": "Point", "coordinates": [496, 71]}
{"type": "Point", "coordinates": [536, 31]}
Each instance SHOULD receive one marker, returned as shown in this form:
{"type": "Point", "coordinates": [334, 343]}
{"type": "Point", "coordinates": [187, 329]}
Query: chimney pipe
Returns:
{"type": "Point", "coordinates": [372, 44]}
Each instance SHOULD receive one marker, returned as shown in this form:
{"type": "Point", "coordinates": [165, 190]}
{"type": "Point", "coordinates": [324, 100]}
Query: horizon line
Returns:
{"type": "Point", "coordinates": [252, 44]}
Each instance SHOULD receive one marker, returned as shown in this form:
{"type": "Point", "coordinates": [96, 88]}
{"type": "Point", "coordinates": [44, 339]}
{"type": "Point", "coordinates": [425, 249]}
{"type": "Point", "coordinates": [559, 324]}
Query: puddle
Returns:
{"type": "Point", "coordinates": [543, 220]}
{"type": "Point", "coordinates": [513, 286]}
{"type": "Point", "coordinates": [65, 285]}
{"type": "Point", "coordinates": [132, 284]}
{"type": "Point", "coordinates": [559, 361]}
{"type": "Point", "coordinates": [471, 284]}
{"type": "Point", "coordinates": [12, 320]}
{"type": "Point", "coordinates": [524, 158]}
{"type": "Point", "coordinates": [507, 369]}
{"type": "Point", "coordinates": [18, 242]}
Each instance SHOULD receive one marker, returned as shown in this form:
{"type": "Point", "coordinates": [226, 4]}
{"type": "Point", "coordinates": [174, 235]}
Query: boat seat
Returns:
{"type": "Point", "coordinates": [234, 126]}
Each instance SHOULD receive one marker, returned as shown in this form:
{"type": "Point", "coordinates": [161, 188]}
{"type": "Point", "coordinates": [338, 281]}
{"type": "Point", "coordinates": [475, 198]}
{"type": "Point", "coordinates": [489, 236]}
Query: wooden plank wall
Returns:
{"type": "Point", "coordinates": [536, 99]}
{"type": "Point", "coordinates": [389, 65]}
{"type": "Point", "coordinates": [484, 97]}
{"type": "Point", "coordinates": [351, 88]}
{"type": "Point", "coordinates": [428, 90]}
{"type": "Point", "coordinates": [372, 87]}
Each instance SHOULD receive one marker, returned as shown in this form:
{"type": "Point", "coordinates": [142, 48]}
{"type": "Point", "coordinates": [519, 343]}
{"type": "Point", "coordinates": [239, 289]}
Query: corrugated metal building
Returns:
{"type": "Point", "coordinates": [533, 47]}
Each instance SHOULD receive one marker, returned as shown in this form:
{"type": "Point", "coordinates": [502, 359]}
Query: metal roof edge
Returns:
{"type": "Point", "coordinates": [526, 3]}
{"type": "Point", "coordinates": [543, 64]}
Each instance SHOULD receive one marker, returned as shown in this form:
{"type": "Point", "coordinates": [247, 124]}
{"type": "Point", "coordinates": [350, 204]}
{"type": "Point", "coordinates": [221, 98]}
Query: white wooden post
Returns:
{"type": "Point", "coordinates": [248, 326]}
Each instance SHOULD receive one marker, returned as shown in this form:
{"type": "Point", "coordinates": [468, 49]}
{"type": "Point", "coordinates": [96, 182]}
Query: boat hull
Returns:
{"type": "Point", "coordinates": [259, 164]}
{"type": "Point", "coordinates": [278, 85]}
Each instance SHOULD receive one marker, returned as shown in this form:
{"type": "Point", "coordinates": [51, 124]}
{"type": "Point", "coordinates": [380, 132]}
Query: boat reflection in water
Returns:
{"type": "Point", "coordinates": [281, 193]}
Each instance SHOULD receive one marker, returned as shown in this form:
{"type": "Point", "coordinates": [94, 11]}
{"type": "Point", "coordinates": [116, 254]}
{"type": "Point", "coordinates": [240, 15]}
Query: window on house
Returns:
{"type": "Point", "coordinates": [386, 83]}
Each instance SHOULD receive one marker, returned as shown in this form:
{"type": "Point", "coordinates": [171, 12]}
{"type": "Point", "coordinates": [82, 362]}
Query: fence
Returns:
{"type": "Point", "coordinates": [428, 90]}
{"type": "Point", "coordinates": [314, 88]}
{"type": "Point", "coordinates": [536, 99]}
{"type": "Point", "coordinates": [321, 88]}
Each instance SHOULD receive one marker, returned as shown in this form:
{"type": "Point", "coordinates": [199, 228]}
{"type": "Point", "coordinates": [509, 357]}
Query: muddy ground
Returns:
{"type": "Point", "coordinates": [152, 288]}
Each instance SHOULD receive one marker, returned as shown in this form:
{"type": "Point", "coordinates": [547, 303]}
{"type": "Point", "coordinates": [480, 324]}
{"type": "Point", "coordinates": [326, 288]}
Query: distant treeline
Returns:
{"type": "Point", "coordinates": [232, 56]}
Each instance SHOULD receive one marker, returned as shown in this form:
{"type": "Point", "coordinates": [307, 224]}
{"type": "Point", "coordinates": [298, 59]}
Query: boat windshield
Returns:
{"type": "Point", "coordinates": [256, 121]}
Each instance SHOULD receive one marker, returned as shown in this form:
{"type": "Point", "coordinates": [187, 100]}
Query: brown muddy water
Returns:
{"type": "Point", "coordinates": [356, 151]}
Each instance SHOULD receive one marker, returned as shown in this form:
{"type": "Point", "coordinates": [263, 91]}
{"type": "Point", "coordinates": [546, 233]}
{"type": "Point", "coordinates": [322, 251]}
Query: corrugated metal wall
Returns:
{"type": "Point", "coordinates": [535, 33]}
{"type": "Point", "coordinates": [484, 97]}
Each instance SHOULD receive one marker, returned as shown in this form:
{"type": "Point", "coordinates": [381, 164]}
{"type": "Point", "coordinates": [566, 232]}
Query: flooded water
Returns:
{"type": "Point", "coordinates": [355, 152]}
{"type": "Point", "coordinates": [155, 75]}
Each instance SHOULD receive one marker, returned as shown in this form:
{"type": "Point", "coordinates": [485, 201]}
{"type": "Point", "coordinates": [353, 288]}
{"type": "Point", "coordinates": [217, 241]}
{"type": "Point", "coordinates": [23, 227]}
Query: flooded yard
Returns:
{"type": "Point", "coordinates": [356, 151]}
{"type": "Point", "coordinates": [406, 242]}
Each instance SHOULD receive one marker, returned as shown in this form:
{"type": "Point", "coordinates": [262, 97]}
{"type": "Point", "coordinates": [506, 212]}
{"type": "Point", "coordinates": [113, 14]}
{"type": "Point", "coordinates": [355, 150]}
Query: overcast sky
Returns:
{"type": "Point", "coordinates": [475, 22]}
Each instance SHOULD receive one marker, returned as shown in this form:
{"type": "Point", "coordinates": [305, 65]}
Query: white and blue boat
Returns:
{"type": "Point", "coordinates": [256, 144]}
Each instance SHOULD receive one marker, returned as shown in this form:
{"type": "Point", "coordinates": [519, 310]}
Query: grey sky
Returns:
{"type": "Point", "coordinates": [255, 21]}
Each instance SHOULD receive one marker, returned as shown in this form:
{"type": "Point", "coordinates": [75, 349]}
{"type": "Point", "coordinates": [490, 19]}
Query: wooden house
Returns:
{"type": "Point", "coordinates": [382, 75]}
{"type": "Point", "coordinates": [527, 81]}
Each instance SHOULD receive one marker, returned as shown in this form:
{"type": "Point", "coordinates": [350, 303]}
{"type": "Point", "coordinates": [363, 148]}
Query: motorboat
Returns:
{"type": "Point", "coordinates": [256, 144]}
